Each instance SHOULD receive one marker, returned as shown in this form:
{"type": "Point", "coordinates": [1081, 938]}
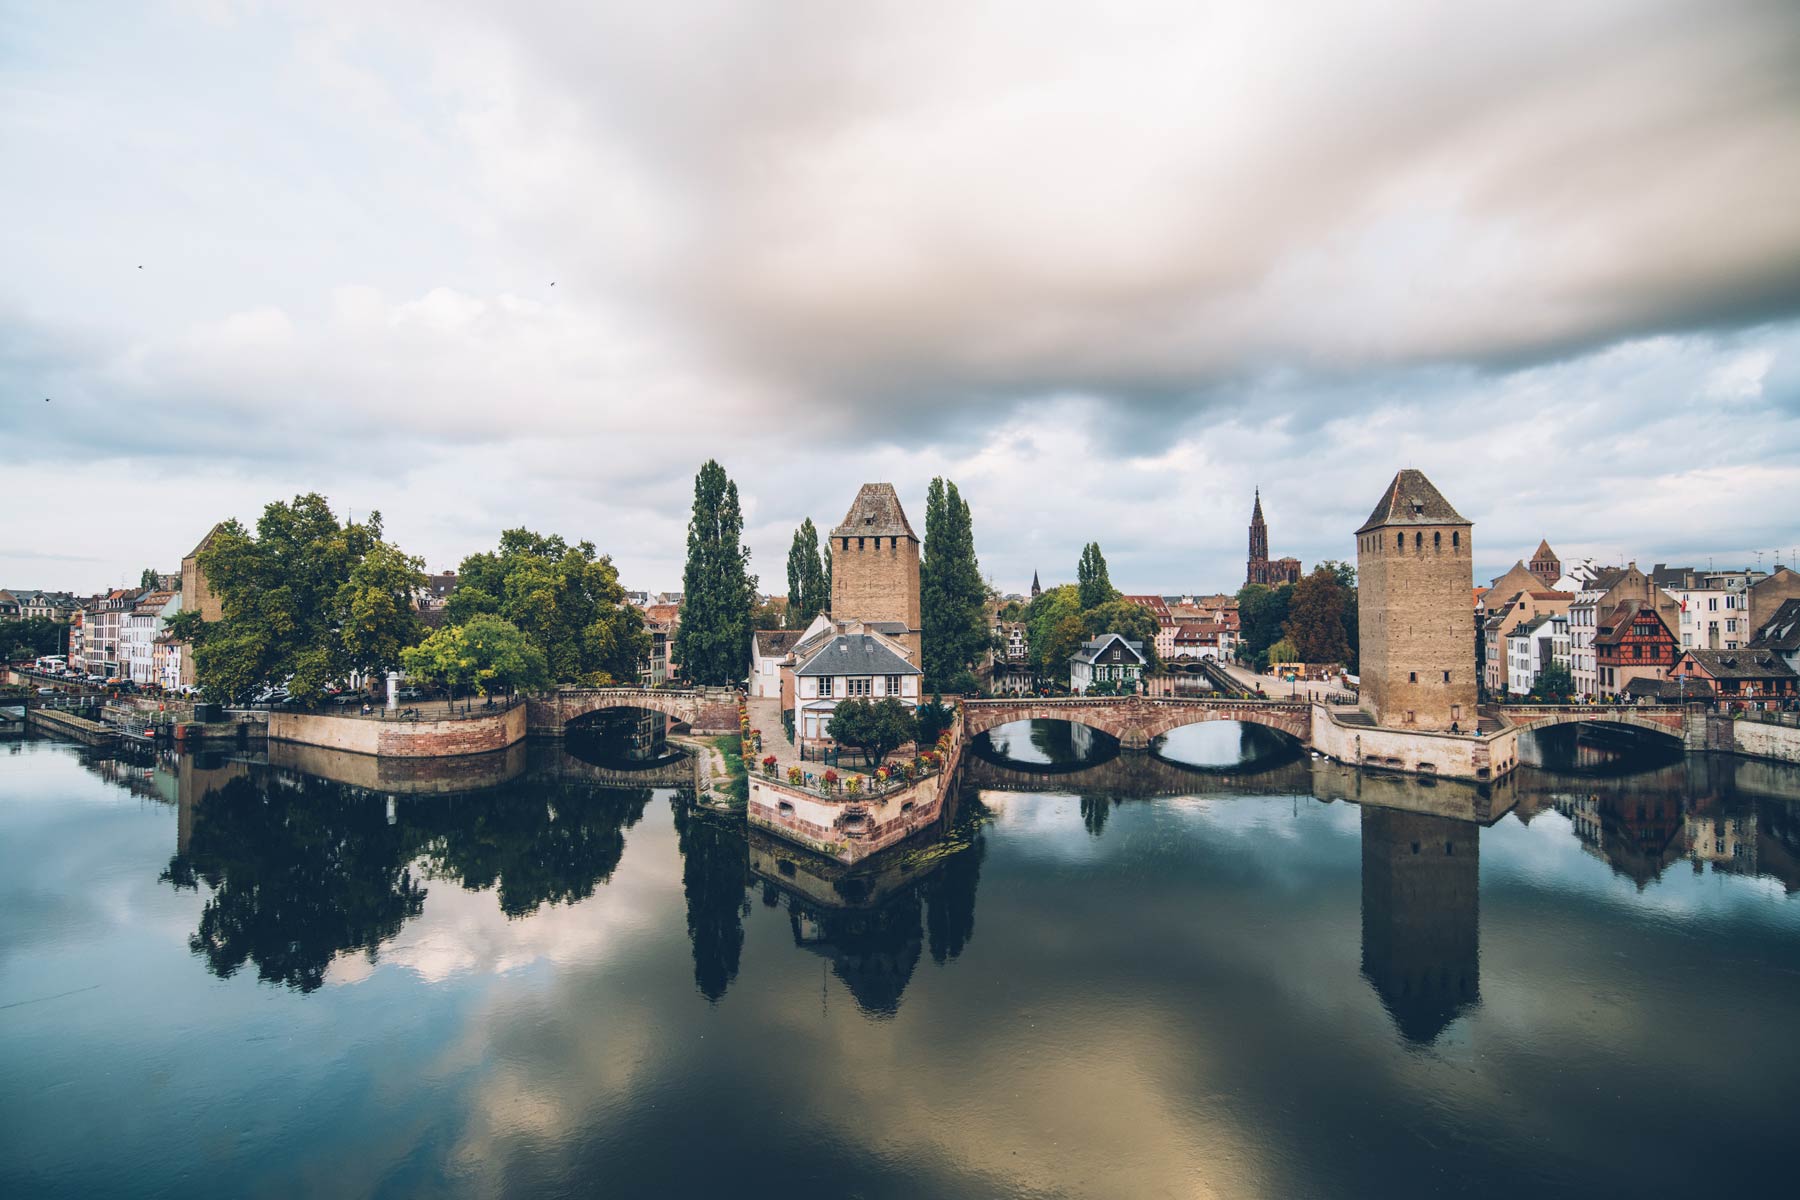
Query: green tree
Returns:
{"type": "Point", "coordinates": [32, 637]}
{"type": "Point", "coordinates": [809, 587]}
{"type": "Point", "coordinates": [825, 559]}
{"type": "Point", "coordinates": [1346, 577]}
{"type": "Point", "coordinates": [1262, 611]}
{"type": "Point", "coordinates": [1044, 618]}
{"type": "Point", "coordinates": [713, 641]}
{"type": "Point", "coordinates": [952, 596]}
{"type": "Point", "coordinates": [376, 607]}
{"type": "Point", "coordinates": [443, 658]}
{"type": "Point", "coordinates": [1091, 578]}
{"type": "Point", "coordinates": [1283, 651]}
{"type": "Point", "coordinates": [1315, 622]}
{"type": "Point", "coordinates": [149, 577]}
{"type": "Point", "coordinates": [566, 598]}
{"type": "Point", "coordinates": [1553, 683]}
{"type": "Point", "coordinates": [294, 605]}
{"type": "Point", "coordinates": [1131, 621]}
{"type": "Point", "coordinates": [931, 719]}
{"type": "Point", "coordinates": [876, 727]}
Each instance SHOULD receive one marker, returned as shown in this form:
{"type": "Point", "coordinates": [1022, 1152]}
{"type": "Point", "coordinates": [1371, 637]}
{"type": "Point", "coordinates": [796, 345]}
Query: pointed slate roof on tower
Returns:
{"type": "Point", "coordinates": [1544, 552]}
{"type": "Point", "coordinates": [1412, 499]}
{"type": "Point", "coordinates": [875, 512]}
{"type": "Point", "coordinates": [1256, 513]}
{"type": "Point", "coordinates": [1036, 590]}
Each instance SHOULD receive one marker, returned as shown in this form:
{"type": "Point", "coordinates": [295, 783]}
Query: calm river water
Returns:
{"type": "Point", "coordinates": [1112, 976]}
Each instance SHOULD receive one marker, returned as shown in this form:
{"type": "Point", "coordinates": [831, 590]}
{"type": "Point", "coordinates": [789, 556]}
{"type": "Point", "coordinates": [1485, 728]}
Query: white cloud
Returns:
{"type": "Point", "coordinates": [1109, 271]}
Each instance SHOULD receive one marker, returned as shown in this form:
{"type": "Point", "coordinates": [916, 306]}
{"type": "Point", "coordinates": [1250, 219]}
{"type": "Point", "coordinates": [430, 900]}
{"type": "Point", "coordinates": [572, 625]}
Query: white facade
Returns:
{"type": "Point", "coordinates": [1108, 658]}
{"type": "Point", "coordinates": [142, 626]}
{"type": "Point", "coordinates": [1712, 618]}
{"type": "Point", "coordinates": [1529, 648]}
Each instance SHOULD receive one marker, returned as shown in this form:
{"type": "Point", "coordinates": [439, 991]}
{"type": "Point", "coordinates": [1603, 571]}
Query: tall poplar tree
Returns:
{"type": "Point", "coordinates": [1096, 586]}
{"type": "Point", "coordinates": [712, 643]}
{"type": "Point", "coordinates": [809, 590]}
{"type": "Point", "coordinates": [952, 598]}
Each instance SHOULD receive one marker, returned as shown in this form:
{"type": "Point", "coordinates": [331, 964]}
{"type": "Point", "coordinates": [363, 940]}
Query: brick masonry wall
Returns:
{"type": "Point", "coordinates": [1416, 618]}
{"type": "Point", "coordinates": [877, 580]}
{"type": "Point", "coordinates": [420, 739]}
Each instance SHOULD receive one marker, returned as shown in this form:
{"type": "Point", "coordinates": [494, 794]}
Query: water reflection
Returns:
{"type": "Point", "coordinates": [1421, 918]}
{"type": "Point", "coordinates": [715, 877]}
{"type": "Point", "coordinates": [871, 925]}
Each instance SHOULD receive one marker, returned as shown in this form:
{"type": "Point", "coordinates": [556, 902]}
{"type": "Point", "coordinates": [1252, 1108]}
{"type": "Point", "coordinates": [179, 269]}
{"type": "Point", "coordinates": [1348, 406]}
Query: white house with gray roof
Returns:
{"type": "Point", "coordinates": [857, 662]}
{"type": "Point", "coordinates": [1109, 658]}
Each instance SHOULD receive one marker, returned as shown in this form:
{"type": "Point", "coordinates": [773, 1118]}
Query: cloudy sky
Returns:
{"type": "Point", "coordinates": [483, 265]}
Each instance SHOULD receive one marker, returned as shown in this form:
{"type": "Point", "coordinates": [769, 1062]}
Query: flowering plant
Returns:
{"type": "Point", "coordinates": [881, 774]}
{"type": "Point", "coordinates": [853, 785]}
{"type": "Point", "coordinates": [794, 775]}
{"type": "Point", "coordinates": [768, 764]}
{"type": "Point", "coordinates": [830, 780]}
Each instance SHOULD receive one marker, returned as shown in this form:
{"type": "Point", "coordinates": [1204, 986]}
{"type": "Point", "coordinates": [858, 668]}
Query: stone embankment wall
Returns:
{"type": "Point", "coordinates": [1779, 742]}
{"type": "Point", "coordinates": [405, 739]}
{"type": "Point", "coordinates": [1418, 752]}
{"type": "Point", "coordinates": [851, 828]}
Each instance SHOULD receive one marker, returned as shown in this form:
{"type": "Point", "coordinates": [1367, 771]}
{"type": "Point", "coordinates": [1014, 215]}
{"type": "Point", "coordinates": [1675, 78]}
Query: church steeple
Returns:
{"type": "Point", "coordinates": [1256, 517]}
{"type": "Point", "coordinates": [1036, 590]}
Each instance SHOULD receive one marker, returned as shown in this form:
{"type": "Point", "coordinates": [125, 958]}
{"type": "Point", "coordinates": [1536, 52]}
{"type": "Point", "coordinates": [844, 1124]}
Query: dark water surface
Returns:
{"type": "Point", "coordinates": [1201, 971]}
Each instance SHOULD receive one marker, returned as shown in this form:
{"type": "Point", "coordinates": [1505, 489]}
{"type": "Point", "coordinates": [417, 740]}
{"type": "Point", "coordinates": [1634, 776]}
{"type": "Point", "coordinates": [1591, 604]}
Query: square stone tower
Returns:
{"type": "Point", "coordinates": [875, 567]}
{"type": "Point", "coordinates": [1416, 610]}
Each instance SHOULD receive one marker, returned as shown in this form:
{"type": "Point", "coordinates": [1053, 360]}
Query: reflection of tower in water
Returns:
{"type": "Point", "coordinates": [1421, 918]}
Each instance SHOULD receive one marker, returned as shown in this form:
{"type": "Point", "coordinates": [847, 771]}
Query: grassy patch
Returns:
{"type": "Point", "coordinates": [738, 786]}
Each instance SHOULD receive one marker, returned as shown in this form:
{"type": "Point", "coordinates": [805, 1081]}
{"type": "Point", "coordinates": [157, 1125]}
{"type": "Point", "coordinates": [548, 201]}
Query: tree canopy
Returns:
{"type": "Point", "coordinates": [876, 727]}
{"type": "Point", "coordinates": [304, 597]}
{"type": "Point", "coordinates": [32, 637]}
{"type": "Point", "coordinates": [1131, 621]}
{"type": "Point", "coordinates": [565, 598]}
{"type": "Point", "coordinates": [1315, 623]}
{"type": "Point", "coordinates": [487, 652]}
{"type": "Point", "coordinates": [809, 588]}
{"type": "Point", "coordinates": [712, 643]}
{"type": "Point", "coordinates": [952, 596]}
{"type": "Point", "coordinates": [1262, 611]}
{"type": "Point", "coordinates": [1091, 578]}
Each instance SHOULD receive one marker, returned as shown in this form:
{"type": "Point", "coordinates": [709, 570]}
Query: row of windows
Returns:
{"type": "Point", "coordinates": [857, 685]}
{"type": "Point", "coordinates": [1370, 541]}
{"type": "Point", "coordinates": [893, 543]}
{"type": "Point", "coordinates": [1413, 677]}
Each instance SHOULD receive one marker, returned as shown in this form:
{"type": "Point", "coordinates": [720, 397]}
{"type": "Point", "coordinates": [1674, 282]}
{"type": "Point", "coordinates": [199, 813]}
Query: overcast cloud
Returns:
{"type": "Point", "coordinates": [1108, 270]}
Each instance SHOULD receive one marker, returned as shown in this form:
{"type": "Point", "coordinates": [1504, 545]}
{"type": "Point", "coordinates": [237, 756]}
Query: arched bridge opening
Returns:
{"type": "Point", "coordinates": [1045, 746]}
{"type": "Point", "coordinates": [1229, 746]}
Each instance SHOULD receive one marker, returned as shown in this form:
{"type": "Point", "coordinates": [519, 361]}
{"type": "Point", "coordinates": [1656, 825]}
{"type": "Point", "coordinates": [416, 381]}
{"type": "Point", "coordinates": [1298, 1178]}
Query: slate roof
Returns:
{"type": "Point", "coordinates": [1781, 631]}
{"type": "Point", "coordinates": [875, 512]}
{"type": "Point", "coordinates": [1094, 648]}
{"type": "Point", "coordinates": [1527, 628]}
{"type": "Point", "coordinates": [1544, 551]}
{"type": "Point", "coordinates": [1411, 499]}
{"type": "Point", "coordinates": [1741, 664]}
{"type": "Point", "coordinates": [773, 643]}
{"type": "Point", "coordinates": [1668, 689]}
{"type": "Point", "coordinates": [856, 654]}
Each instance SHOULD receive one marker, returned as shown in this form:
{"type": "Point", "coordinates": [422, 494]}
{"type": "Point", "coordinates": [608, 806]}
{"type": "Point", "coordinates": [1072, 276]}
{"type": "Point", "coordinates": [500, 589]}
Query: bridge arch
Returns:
{"type": "Point", "coordinates": [1138, 720]}
{"type": "Point", "coordinates": [1669, 721]}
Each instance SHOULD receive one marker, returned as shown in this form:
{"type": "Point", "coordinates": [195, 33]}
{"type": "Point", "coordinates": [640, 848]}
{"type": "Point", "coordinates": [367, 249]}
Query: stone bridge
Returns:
{"type": "Point", "coordinates": [1139, 720]}
{"type": "Point", "coordinates": [702, 709]}
{"type": "Point", "coordinates": [1670, 720]}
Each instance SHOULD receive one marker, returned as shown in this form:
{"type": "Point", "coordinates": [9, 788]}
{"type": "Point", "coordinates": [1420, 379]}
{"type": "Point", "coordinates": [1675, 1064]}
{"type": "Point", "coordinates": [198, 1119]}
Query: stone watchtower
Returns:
{"type": "Point", "coordinates": [1416, 610]}
{"type": "Point", "coordinates": [875, 566]}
